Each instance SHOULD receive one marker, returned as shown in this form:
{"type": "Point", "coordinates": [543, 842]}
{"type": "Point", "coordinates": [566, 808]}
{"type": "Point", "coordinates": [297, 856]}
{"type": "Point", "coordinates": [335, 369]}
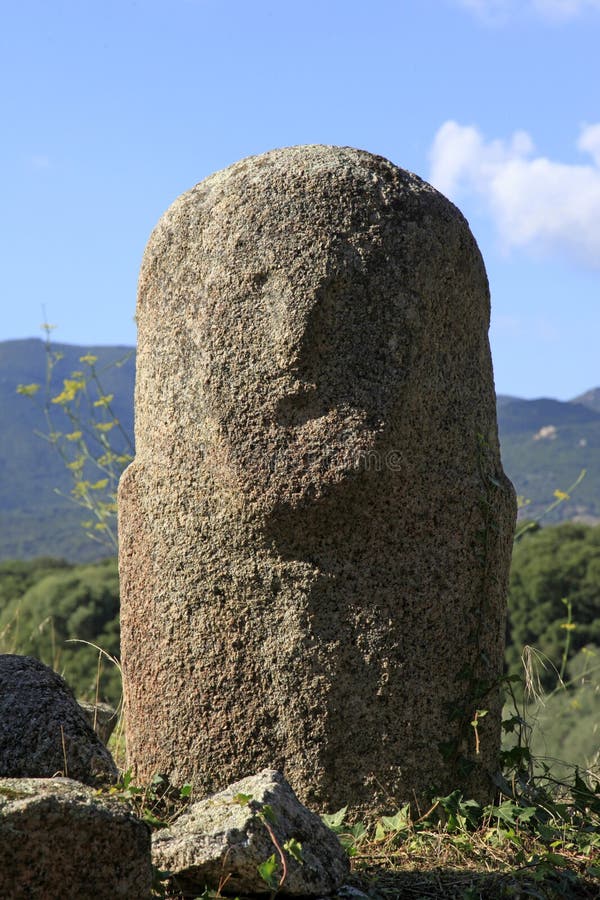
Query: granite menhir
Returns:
{"type": "Point", "coordinates": [316, 530]}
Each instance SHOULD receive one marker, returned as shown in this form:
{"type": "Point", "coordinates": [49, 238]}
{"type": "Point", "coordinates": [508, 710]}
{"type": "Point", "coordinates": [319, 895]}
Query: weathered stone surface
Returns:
{"type": "Point", "coordinates": [101, 717]}
{"type": "Point", "coordinates": [43, 731]}
{"type": "Point", "coordinates": [316, 531]}
{"type": "Point", "coordinates": [222, 840]}
{"type": "Point", "coordinates": [60, 841]}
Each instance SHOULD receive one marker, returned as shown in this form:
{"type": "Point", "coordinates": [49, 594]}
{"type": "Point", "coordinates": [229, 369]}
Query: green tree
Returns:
{"type": "Point", "coordinates": [58, 612]}
{"type": "Point", "coordinates": [554, 596]}
{"type": "Point", "coordinates": [566, 724]}
{"type": "Point", "coordinates": [17, 575]}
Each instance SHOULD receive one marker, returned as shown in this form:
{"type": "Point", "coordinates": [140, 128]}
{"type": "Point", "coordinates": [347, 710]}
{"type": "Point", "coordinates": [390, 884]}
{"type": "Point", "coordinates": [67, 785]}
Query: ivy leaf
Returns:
{"type": "Point", "coordinates": [398, 822]}
{"type": "Point", "coordinates": [294, 848]}
{"type": "Point", "coordinates": [268, 813]}
{"type": "Point", "coordinates": [268, 872]}
{"type": "Point", "coordinates": [335, 820]}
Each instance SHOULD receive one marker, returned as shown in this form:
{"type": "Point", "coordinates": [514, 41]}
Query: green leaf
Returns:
{"type": "Point", "coordinates": [556, 859]}
{"type": "Point", "coordinates": [335, 820]}
{"type": "Point", "coordinates": [510, 725]}
{"type": "Point", "coordinates": [357, 831]}
{"type": "Point", "coordinates": [241, 799]}
{"type": "Point", "coordinates": [512, 813]}
{"type": "Point", "coordinates": [397, 822]}
{"type": "Point", "coordinates": [545, 832]}
{"type": "Point", "coordinates": [153, 820]}
{"type": "Point", "coordinates": [451, 803]}
{"type": "Point", "coordinates": [294, 848]}
{"type": "Point", "coordinates": [268, 871]}
{"type": "Point", "coordinates": [527, 813]}
{"type": "Point", "coordinates": [380, 832]}
{"type": "Point", "coordinates": [268, 813]}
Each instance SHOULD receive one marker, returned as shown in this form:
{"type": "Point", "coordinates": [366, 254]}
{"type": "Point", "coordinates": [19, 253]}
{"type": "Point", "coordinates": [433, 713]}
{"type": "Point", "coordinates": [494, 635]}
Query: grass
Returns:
{"type": "Point", "coordinates": [542, 840]}
{"type": "Point", "coordinates": [539, 839]}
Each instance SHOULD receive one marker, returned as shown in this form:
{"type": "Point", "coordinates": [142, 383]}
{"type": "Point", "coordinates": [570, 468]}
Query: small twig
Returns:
{"type": "Point", "coordinates": [427, 814]}
{"type": "Point", "coordinates": [279, 851]}
{"type": "Point", "coordinates": [223, 879]}
{"type": "Point", "coordinates": [64, 749]}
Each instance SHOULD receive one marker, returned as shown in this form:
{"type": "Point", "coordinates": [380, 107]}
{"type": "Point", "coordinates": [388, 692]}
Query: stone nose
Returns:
{"type": "Point", "coordinates": [290, 320]}
{"type": "Point", "coordinates": [302, 327]}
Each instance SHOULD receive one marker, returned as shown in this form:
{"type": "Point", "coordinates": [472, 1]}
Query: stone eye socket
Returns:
{"type": "Point", "coordinates": [258, 279]}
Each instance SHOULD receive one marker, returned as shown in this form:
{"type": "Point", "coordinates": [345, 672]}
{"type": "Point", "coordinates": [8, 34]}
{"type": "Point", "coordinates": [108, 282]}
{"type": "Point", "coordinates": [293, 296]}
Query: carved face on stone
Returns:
{"type": "Point", "coordinates": [288, 273]}
{"type": "Point", "coordinates": [303, 327]}
{"type": "Point", "coordinates": [303, 335]}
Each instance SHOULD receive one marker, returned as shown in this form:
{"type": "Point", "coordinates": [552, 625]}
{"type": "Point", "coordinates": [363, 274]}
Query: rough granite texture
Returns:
{"type": "Point", "coordinates": [59, 840]}
{"type": "Point", "coordinates": [223, 837]}
{"type": "Point", "coordinates": [101, 717]}
{"type": "Point", "coordinates": [316, 531]}
{"type": "Point", "coordinates": [43, 730]}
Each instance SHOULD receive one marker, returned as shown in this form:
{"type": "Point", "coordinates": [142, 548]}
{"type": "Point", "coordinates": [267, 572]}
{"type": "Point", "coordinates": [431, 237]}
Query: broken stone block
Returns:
{"type": "Point", "coordinates": [222, 840]}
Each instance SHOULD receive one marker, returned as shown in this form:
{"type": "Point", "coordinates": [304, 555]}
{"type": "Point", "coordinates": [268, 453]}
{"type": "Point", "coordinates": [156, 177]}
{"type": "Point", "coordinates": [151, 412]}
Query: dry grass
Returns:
{"type": "Point", "coordinates": [438, 865]}
{"type": "Point", "coordinates": [543, 844]}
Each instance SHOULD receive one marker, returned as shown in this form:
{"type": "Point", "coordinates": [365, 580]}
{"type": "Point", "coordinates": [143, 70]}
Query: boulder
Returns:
{"type": "Point", "coordinates": [221, 841]}
{"type": "Point", "coordinates": [60, 840]}
{"type": "Point", "coordinates": [43, 730]}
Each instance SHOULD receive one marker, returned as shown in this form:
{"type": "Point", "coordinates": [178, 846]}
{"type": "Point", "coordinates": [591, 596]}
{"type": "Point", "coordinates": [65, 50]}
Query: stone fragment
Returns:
{"type": "Point", "coordinates": [60, 840]}
{"type": "Point", "coordinates": [221, 841]}
{"type": "Point", "coordinates": [101, 717]}
{"type": "Point", "coordinates": [316, 531]}
{"type": "Point", "coordinates": [43, 731]}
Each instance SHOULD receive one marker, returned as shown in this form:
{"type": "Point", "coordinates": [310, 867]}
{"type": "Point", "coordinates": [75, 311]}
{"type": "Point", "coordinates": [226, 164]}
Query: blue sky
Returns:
{"type": "Point", "coordinates": [112, 108]}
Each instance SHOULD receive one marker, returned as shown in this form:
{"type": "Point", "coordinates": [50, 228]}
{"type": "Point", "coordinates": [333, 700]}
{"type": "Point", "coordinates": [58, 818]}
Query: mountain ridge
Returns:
{"type": "Point", "coordinates": [37, 518]}
{"type": "Point", "coordinates": [545, 445]}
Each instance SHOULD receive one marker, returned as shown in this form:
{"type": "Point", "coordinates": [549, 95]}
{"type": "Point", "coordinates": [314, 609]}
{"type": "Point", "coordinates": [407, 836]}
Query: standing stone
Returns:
{"type": "Point", "coordinates": [316, 531]}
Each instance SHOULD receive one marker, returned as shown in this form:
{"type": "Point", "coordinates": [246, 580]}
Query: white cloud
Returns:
{"type": "Point", "coordinates": [589, 142]}
{"type": "Point", "coordinates": [498, 11]}
{"type": "Point", "coordinates": [535, 203]}
{"type": "Point", "coordinates": [564, 9]}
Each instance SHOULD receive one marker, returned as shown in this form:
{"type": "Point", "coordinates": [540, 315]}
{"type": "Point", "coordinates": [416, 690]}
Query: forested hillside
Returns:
{"type": "Point", "coordinates": [554, 638]}
{"type": "Point", "coordinates": [545, 445]}
{"type": "Point", "coordinates": [56, 611]}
